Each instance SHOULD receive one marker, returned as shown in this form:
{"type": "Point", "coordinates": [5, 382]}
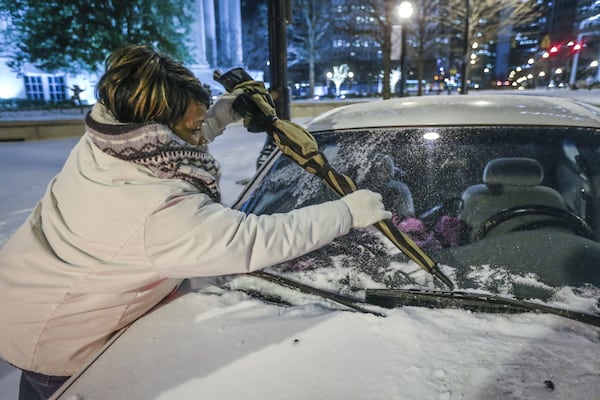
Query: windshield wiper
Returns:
{"type": "Point", "coordinates": [392, 298]}
{"type": "Point", "coordinates": [477, 302]}
{"type": "Point", "coordinates": [354, 303]}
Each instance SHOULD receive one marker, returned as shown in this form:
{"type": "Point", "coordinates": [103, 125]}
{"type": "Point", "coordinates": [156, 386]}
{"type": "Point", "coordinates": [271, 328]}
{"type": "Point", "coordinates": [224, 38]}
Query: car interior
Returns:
{"type": "Point", "coordinates": [507, 183]}
{"type": "Point", "coordinates": [521, 198]}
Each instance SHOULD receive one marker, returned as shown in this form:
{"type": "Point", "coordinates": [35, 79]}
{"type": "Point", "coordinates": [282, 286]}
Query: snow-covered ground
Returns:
{"type": "Point", "coordinates": [308, 352]}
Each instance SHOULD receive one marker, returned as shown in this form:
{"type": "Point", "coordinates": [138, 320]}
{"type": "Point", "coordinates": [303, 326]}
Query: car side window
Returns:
{"type": "Point", "coordinates": [573, 183]}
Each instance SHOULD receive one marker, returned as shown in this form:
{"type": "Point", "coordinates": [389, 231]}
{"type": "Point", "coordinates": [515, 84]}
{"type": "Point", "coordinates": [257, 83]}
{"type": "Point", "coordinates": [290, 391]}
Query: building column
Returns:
{"type": "Point", "coordinates": [230, 25]}
{"type": "Point", "coordinates": [210, 32]}
{"type": "Point", "coordinates": [224, 33]}
{"type": "Point", "coordinates": [235, 21]}
{"type": "Point", "coordinates": [198, 48]}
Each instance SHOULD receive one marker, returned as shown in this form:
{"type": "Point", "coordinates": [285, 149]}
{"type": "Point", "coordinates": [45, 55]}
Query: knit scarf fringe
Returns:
{"type": "Point", "coordinates": [156, 147]}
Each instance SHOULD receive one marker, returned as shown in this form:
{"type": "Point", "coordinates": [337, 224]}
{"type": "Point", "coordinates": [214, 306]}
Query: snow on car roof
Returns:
{"type": "Point", "coordinates": [460, 111]}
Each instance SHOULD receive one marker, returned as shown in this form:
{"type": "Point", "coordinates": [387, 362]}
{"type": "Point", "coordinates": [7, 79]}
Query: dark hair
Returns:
{"type": "Point", "coordinates": [141, 85]}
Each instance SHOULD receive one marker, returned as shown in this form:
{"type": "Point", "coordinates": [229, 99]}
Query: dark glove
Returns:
{"type": "Point", "coordinates": [254, 104]}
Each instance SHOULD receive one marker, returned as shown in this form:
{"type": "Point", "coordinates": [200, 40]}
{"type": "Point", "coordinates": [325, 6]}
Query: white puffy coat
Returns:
{"type": "Point", "coordinates": [109, 240]}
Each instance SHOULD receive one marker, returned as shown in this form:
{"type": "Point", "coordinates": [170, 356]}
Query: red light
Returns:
{"type": "Point", "coordinates": [553, 50]}
{"type": "Point", "coordinates": [577, 47]}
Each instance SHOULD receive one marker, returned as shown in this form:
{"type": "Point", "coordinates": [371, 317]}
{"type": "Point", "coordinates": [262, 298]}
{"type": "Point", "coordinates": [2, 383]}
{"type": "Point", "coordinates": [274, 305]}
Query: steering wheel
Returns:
{"type": "Point", "coordinates": [560, 218]}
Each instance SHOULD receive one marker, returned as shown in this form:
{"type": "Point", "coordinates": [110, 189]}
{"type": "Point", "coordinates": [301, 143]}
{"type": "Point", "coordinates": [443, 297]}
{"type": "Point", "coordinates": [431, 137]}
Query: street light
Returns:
{"type": "Point", "coordinates": [405, 11]}
{"type": "Point", "coordinates": [338, 76]}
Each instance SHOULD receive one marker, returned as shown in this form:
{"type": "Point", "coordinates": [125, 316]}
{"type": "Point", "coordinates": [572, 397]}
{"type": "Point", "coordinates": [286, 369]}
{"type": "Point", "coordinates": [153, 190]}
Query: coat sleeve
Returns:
{"type": "Point", "coordinates": [193, 236]}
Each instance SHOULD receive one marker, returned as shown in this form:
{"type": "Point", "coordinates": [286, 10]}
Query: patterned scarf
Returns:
{"type": "Point", "coordinates": [155, 146]}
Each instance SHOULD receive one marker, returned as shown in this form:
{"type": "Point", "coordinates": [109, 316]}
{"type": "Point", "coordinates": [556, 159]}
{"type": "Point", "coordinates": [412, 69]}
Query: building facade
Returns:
{"type": "Point", "coordinates": [560, 49]}
{"type": "Point", "coordinates": [215, 43]}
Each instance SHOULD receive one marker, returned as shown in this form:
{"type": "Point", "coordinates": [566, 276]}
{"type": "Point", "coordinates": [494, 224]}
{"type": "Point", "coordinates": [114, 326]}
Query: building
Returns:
{"type": "Point", "coordinates": [32, 84]}
{"type": "Point", "coordinates": [558, 50]}
{"type": "Point", "coordinates": [216, 44]}
{"type": "Point", "coordinates": [584, 68]}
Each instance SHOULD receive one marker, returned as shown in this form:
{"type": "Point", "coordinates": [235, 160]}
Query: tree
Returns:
{"type": "Point", "coordinates": [373, 19]}
{"type": "Point", "coordinates": [482, 20]}
{"type": "Point", "coordinates": [440, 24]}
{"type": "Point", "coordinates": [461, 20]}
{"type": "Point", "coordinates": [426, 20]}
{"type": "Point", "coordinates": [307, 34]}
{"type": "Point", "coordinates": [77, 35]}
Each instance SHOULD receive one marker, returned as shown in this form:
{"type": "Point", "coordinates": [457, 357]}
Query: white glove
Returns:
{"type": "Point", "coordinates": [219, 115]}
{"type": "Point", "coordinates": [366, 208]}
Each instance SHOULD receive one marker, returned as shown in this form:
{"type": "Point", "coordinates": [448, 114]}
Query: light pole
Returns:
{"type": "Point", "coordinates": [278, 16]}
{"type": "Point", "coordinates": [405, 11]}
{"type": "Point", "coordinates": [583, 26]}
{"type": "Point", "coordinates": [464, 67]}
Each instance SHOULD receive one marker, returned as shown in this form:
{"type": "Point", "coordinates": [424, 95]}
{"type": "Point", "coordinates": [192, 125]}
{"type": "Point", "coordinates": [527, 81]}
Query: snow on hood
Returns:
{"type": "Point", "coordinates": [225, 345]}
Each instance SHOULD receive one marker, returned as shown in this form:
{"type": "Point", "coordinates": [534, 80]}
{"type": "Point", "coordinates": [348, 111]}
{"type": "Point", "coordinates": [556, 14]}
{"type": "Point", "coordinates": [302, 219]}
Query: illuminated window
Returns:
{"type": "Point", "coordinates": [34, 87]}
{"type": "Point", "coordinates": [56, 87]}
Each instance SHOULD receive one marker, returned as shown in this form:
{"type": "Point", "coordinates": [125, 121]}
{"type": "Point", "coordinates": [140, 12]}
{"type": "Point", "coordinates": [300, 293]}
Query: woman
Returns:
{"type": "Point", "coordinates": [134, 211]}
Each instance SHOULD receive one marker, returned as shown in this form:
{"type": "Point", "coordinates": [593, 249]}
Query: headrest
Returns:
{"type": "Point", "coordinates": [515, 171]}
{"type": "Point", "coordinates": [381, 165]}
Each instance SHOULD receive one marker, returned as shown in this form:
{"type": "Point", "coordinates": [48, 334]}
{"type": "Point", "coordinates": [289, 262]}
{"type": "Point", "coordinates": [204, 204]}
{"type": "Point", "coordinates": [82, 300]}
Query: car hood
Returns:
{"type": "Point", "coordinates": [215, 343]}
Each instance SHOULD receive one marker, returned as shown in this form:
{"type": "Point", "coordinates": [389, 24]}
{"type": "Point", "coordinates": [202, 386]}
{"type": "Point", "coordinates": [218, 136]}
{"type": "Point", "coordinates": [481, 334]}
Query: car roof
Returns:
{"type": "Point", "coordinates": [442, 110]}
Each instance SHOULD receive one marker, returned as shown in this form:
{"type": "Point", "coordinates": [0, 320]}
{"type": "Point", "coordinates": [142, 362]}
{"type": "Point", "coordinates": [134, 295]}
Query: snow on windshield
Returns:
{"type": "Point", "coordinates": [407, 168]}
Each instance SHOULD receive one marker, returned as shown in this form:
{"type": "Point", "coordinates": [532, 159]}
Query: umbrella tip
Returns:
{"type": "Point", "coordinates": [442, 277]}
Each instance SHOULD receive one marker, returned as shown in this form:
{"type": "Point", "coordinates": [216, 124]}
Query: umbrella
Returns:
{"type": "Point", "coordinates": [298, 144]}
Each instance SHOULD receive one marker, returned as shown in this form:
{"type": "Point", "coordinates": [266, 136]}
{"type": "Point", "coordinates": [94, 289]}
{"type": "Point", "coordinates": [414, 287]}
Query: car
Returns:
{"type": "Point", "coordinates": [501, 191]}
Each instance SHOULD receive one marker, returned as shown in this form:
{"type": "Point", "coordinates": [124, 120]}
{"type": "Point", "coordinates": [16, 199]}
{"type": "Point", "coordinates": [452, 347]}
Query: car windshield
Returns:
{"type": "Point", "coordinates": [506, 210]}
